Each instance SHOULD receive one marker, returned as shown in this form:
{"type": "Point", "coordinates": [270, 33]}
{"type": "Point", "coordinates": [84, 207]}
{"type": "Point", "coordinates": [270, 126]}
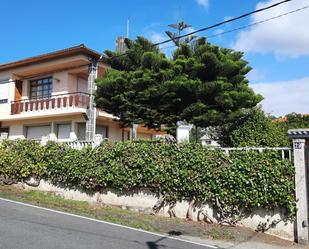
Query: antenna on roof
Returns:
{"type": "Point", "coordinates": [128, 27]}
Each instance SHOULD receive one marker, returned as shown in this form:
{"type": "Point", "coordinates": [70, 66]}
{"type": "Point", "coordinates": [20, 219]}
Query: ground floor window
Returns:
{"type": "Point", "coordinates": [102, 130]}
{"type": "Point", "coordinates": [4, 132]}
{"type": "Point", "coordinates": [81, 131]}
{"type": "Point", "coordinates": [37, 132]}
{"type": "Point", "coordinates": [63, 131]}
{"type": "Point", "coordinates": [4, 129]}
{"type": "Point", "coordinates": [125, 135]}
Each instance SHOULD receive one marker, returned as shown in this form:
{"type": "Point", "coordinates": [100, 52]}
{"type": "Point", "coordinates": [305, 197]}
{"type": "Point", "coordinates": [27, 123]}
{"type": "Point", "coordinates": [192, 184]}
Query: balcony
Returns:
{"type": "Point", "coordinates": [59, 102]}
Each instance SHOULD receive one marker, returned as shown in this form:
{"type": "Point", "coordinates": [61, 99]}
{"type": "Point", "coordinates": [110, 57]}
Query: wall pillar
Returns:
{"type": "Point", "coordinates": [91, 112]}
{"type": "Point", "coordinates": [98, 139]}
{"type": "Point", "coordinates": [183, 133]}
{"type": "Point", "coordinates": [300, 136]}
{"type": "Point", "coordinates": [73, 133]}
{"type": "Point", "coordinates": [4, 136]}
{"type": "Point", "coordinates": [53, 131]}
{"type": "Point", "coordinates": [133, 132]}
{"type": "Point", "coordinates": [301, 191]}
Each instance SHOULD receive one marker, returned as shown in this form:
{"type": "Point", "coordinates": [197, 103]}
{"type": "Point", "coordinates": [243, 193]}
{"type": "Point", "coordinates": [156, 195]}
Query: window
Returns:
{"type": "Point", "coordinates": [63, 131]}
{"type": "Point", "coordinates": [4, 91]}
{"type": "Point", "coordinates": [41, 88]}
{"type": "Point", "coordinates": [37, 132]}
{"type": "Point", "coordinates": [4, 132]}
{"type": "Point", "coordinates": [208, 141]}
{"type": "Point", "coordinates": [102, 130]}
{"type": "Point", "coordinates": [81, 131]}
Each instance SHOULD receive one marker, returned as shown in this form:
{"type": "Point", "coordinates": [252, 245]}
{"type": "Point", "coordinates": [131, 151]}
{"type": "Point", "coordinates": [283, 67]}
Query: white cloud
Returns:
{"type": "Point", "coordinates": [281, 98]}
{"type": "Point", "coordinates": [156, 37]}
{"type": "Point", "coordinates": [189, 30]}
{"type": "Point", "coordinates": [255, 75]}
{"type": "Point", "coordinates": [285, 36]}
{"type": "Point", "coordinates": [204, 3]}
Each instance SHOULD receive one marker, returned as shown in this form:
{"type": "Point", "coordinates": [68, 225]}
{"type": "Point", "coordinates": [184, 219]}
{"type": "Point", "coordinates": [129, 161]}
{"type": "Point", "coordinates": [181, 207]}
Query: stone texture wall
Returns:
{"type": "Point", "coordinates": [143, 201]}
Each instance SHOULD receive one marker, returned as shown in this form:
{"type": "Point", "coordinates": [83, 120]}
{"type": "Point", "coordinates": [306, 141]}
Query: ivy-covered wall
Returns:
{"type": "Point", "coordinates": [234, 184]}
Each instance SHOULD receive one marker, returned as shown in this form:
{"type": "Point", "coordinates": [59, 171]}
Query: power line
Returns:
{"type": "Point", "coordinates": [260, 22]}
{"type": "Point", "coordinates": [249, 25]}
{"type": "Point", "coordinates": [224, 22]}
{"type": "Point", "coordinates": [216, 25]}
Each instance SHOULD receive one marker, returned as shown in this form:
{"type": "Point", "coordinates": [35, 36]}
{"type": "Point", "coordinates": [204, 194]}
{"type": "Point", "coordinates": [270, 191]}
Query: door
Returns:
{"type": "Point", "coordinates": [18, 90]}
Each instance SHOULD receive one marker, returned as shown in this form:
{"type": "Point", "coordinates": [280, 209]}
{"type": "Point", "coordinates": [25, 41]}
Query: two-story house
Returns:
{"type": "Point", "coordinates": [50, 95]}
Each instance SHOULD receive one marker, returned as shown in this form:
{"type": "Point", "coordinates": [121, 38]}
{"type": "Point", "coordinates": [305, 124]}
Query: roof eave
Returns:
{"type": "Point", "coordinates": [80, 49]}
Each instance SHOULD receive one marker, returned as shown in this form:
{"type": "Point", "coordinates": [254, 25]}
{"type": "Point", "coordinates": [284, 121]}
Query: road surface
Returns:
{"type": "Point", "coordinates": [24, 226]}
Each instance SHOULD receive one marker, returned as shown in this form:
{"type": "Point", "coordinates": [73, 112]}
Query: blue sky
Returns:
{"type": "Point", "coordinates": [278, 51]}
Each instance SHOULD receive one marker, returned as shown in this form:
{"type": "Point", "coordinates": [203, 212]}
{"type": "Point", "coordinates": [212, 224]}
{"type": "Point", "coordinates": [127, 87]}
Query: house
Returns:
{"type": "Point", "coordinates": [206, 140]}
{"type": "Point", "coordinates": [51, 95]}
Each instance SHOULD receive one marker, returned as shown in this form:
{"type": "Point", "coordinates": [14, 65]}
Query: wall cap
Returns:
{"type": "Point", "coordinates": [298, 133]}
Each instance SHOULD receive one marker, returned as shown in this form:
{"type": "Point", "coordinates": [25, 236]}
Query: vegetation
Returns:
{"type": "Point", "coordinates": [294, 121]}
{"type": "Point", "coordinates": [257, 129]}
{"type": "Point", "coordinates": [201, 84]}
{"type": "Point", "coordinates": [234, 184]}
{"type": "Point", "coordinates": [196, 133]}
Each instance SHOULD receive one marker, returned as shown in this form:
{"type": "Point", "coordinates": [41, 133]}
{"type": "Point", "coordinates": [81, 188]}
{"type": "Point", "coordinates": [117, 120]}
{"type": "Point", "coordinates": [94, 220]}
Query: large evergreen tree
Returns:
{"type": "Point", "coordinates": [202, 84]}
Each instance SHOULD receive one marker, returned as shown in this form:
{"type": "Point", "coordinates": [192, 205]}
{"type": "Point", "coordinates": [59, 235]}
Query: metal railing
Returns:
{"type": "Point", "coordinates": [54, 102]}
{"type": "Point", "coordinates": [286, 152]}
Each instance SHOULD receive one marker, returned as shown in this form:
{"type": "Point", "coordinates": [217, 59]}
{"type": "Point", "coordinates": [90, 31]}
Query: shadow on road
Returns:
{"type": "Point", "coordinates": [155, 245]}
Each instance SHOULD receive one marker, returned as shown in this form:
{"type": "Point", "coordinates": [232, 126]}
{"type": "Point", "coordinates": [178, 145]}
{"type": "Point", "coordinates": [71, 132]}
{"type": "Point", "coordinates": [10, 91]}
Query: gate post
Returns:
{"type": "Point", "coordinates": [301, 182]}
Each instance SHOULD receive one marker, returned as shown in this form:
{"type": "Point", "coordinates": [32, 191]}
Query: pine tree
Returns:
{"type": "Point", "coordinates": [201, 84]}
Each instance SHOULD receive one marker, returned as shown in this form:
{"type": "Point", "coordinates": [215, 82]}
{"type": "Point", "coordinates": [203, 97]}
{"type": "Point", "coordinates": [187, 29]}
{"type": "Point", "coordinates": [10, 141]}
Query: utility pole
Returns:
{"type": "Point", "coordinates": [91, 112]}
{"type": "Point", "coordinates": [128, 27]}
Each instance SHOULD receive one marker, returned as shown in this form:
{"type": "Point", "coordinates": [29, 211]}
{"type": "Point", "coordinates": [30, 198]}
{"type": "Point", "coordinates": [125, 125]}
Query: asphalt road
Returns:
{"type": "Point", "coordinates": [27, 227]}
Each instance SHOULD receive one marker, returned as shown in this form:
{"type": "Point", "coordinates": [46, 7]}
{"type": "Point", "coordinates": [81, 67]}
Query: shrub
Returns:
{"type": "Point", "coordinates": [239, 182]}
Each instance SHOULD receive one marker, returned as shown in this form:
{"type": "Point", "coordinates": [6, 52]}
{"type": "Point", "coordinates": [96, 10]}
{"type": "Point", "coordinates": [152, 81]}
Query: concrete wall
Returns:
{"type": "Point", "coordinates": [114, 131]}
{"type": "Point", "coordinates": [144, 201]}
{"type": "Point", "coordinates": [143, 136]}
{"type": "Point", "coordinates": [5, 108]}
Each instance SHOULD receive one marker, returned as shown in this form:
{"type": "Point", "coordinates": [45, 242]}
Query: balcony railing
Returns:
{"type": "Point", "coordinates": [55, 102]}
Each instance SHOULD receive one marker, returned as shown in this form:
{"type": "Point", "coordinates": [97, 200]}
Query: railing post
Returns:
{"type": "Point", "coordinates": [4, 136]}
{"type": "Point", "coordinates": [44, 140]}
{"type": "Point", "coordinates": [98, 139]}
{"type": "Point", "coordinates": [282, 154]}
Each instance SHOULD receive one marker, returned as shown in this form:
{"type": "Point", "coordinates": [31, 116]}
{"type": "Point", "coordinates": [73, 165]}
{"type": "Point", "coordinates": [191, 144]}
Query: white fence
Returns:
{"type": "Point", "coordinates": [80, 144]}
{"type": "Point", "coordinates": [286, 152]}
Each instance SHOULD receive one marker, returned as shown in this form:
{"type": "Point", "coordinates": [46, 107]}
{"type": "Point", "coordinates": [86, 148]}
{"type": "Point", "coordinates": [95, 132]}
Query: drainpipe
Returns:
{"type": "Point", "coordinates": [91, 112]}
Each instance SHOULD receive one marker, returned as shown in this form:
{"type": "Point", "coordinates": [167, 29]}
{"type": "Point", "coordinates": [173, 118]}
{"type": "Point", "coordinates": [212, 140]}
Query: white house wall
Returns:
{"type": "Point", "coordinates": [6, 107]}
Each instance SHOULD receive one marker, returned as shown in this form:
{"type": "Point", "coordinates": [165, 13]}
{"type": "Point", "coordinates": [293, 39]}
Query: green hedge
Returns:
{"type": "Point", "coordinates": [243, 180]}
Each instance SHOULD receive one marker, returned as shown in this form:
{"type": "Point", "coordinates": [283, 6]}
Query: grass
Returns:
{"type": "Point", "coordinates": [129, 218]}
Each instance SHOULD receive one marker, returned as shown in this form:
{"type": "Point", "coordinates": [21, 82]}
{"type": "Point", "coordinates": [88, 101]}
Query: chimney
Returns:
{"type": "Point", "coordinates": [120, 45]}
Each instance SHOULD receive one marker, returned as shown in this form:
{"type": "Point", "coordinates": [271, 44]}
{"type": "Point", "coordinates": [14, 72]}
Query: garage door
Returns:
{"type": "Point", "coordinates": [36, 132]}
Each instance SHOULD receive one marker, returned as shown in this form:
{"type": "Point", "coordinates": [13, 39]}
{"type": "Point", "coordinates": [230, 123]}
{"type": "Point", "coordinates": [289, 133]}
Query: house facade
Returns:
{"type": "Point", "coordinates": [51, 95]}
